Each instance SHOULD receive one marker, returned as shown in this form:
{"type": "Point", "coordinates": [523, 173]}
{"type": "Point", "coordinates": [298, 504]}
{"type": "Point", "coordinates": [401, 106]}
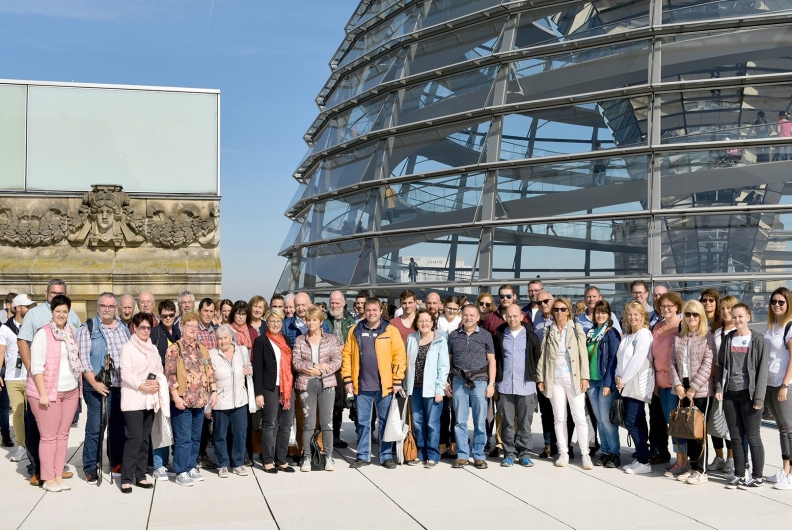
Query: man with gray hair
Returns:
{"type": "Point", "coordinates": [289, 305]}
{"type": "Point", "coordinates": [101, 336]}
{"type": "Point", "coordinates": [186, 304]}
{"type": "Point", "coordinates": [145, 303]}
{"type": "Point", "coordinates": [126, 309]}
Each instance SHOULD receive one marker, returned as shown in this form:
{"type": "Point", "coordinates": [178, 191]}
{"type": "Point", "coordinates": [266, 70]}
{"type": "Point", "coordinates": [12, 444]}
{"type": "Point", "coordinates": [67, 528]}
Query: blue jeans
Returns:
{"type": "Point", "coordinates": [237, 418]}
{"type": "Point", "coordinates": [365, 403]}
{"type": "Point", "coordinates": [161, 456]}
{"type": "Point", "coordinates": [464, 399]}
{"type": "Point", "coordinates": [426, 425]}
{"type": "Point", "coordinates": [187, 425]}
{"type": "Point", "coordinates": [609, 433]}
{"type": "Point", "coordinates": [635, 421]}
{"type": "Point", "coordinates": [669, 401]}
{"type": "Point", "coordinates": [116, 437]}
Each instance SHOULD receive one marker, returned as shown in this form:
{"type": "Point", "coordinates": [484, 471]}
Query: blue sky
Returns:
{"type": "Point", "coordinates": [268, 58]}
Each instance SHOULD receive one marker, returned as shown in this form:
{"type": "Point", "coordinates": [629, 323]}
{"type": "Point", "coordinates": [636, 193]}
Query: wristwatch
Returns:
{"type": "Point", "coordinates": [784, 386]}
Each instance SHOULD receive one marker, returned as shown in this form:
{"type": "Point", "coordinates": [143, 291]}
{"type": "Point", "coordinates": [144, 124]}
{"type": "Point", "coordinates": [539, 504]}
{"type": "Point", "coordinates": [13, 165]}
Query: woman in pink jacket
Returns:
{"type": "Point", "coordinates": [53, 390]}
{"type": "Point", "coordinates": [140, 364]}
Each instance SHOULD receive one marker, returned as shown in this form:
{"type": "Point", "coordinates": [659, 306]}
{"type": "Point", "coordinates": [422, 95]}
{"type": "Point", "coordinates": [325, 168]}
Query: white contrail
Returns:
{"type": "Point", "coordinates": [211, 9]}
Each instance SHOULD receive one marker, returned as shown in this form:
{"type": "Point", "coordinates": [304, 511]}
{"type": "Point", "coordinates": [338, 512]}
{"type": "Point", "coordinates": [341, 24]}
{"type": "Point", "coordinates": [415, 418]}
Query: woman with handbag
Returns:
{"type": "Point", "coordinates": [231, 364]}
{"type": "Point", "coordinates": [635, 381]}
{"type": "Point", "coordinates": [316, 359]}
{"type": "Point", "coordinates": [273, 384]}
{"type": "Point", "coordinates": [602, 343]}
{"type": "Point", "coordinates": [741, 387]}
{"type": "Point", "coordinates": [563, 376]}
{"type": "Point", "coordinates": [778, 338]}
{"type": "Point", "coordinates": [692, 358]}
{"type": "Point", "coordinates": [427, 372]}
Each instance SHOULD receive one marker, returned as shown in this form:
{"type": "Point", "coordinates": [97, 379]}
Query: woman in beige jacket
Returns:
{"type": "Point", "coordinates": [563, 375]}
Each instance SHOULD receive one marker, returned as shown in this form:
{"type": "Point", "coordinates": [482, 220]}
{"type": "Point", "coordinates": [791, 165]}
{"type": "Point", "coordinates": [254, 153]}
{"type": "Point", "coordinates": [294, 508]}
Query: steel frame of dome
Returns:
{"type": "Point", "coordinates": [579, 142]}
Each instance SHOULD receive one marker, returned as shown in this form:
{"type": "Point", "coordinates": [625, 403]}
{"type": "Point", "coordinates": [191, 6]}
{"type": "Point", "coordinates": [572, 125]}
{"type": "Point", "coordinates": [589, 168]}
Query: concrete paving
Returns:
{"type": "Point", "coordinates": [543, 497]}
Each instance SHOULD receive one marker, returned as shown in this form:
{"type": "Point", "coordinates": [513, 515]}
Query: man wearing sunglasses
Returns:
{"type": "Point", "coordinates": [534, 288]}
{"type": "Point", "coordinates": [506, 297]}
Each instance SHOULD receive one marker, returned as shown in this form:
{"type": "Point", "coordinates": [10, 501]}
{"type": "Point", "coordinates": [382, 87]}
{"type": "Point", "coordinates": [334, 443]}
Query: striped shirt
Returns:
{"type": "Point", "coordinates": [115, 336]}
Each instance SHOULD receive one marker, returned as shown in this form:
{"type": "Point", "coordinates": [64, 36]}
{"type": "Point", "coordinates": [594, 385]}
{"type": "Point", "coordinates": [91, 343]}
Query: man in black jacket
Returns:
{"type": "Point", "coordinates": [516, 359]}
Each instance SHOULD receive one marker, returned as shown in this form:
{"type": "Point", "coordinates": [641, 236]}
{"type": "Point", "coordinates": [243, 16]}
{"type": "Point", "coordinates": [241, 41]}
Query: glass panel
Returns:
{"type": "Point", "coordinates": [337, 217]}
{"type": "Point", "coordinates": [298, 195]}
{"type": "Point", "coordinates": [291, 236]}
{"type": "Point", "coordinates": [725, 177]}
{"type": "Point", "coordinates": [12, 137]}
{"type": "Point", "coordinates": [441, 257]}
{"type": "Point", "coordinates": [445, 96]}
{"type": "Point", "coordinates": [455, 47]}
{"type": "Point", "coordinates": [341, 170]}
{"type": "Point", "coordinates": [676, 11]}
{"type": "Point", "coordinates": [372, 115]}
{"type": "Point", "coordinates": [733, 243]}
{"type": "Point", "coordinates": [298, 233]}
{"type": "Point", "coordinates": [374, 8]}
{"type": "Point", "coordinates": [461, 144]}
{"type": "Point", "coordinates": [400, 24]}
{"type": "Point", "coordinates": [581, 20]}
{"type": "Point", "coordinates": [573, 188]}
{"type": "Point", "coordinates": [723, 114]}
{"type": "Point", "coordinates": [575, 129]}
{"type": "Point", "coordinates": [381, 70]}
{"type": "Point", "coordinates": [329, 265]}
{"type": "Point", "coordinates": [587, 248]}
{"type": "Point", "coordinates": [444, 10]}
{"type": "Point", "coordinates": [733, 53]}
{"type": "Point", "coordinates": [145, 141]}
{"type": "Point", "coordinates": [578, 72]}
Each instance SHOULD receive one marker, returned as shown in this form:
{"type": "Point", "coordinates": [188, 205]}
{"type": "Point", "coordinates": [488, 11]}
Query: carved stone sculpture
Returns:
{"type": "Point", "coordinates": [182, 226]}
{"type": "Point", "coordinates": [49, 228]}
{"type": "Point", "coordinates": [105, 219]}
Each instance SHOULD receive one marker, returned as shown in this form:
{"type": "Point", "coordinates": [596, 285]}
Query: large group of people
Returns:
{"type": "Point", "coordinates": [272, 379]}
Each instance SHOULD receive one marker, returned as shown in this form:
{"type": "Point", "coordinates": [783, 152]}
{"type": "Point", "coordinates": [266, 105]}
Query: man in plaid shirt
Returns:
{"type": "Point", "coordinates": [206, 329]}
{"type": "Point", "coordinates": [102, 335]}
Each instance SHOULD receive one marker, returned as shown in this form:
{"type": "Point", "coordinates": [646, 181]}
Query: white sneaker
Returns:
{"type": "Point", "coordinates": [587, 462]}
{"type": "Point", "coordinates": [184, 479]}
{"type": "Point", "coordinates": [717, 464]}
{"type": "Point", "coordinates": [785, 483]}
{"type": "Point", "coordinates": [563, 460]}
{"type": "Point", "coordinates": [329, 464]}
{"type": "Point", "coordinates": [629, 466]}
{"type": "Point", "coordinates": [306, 465]}
{"type": "Point", "coordinates": [19, 455]}
{"type": "Point", "coordinates": [638, 469]}
{"type": "Point", "coordinates": [778, 477]}
{"type": "Point", "coordinates": [195, 475]}
{"type": "Point", "coordinates": [161, 473]}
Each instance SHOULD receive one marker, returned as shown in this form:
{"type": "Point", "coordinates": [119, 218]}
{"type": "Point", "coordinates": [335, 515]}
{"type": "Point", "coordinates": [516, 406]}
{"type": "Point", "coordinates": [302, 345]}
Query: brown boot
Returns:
{"type": "Point", "coordinates": [35, 480]}
{"type": "Point", "coordinates": [67, 474]}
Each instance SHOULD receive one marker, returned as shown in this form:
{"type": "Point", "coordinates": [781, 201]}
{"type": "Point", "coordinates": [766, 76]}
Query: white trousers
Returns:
{"type": "Point", "coordinates": [563, 393]}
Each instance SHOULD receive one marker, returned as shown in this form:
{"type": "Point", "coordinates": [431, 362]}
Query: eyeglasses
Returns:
{"type": "Point", "coordinates": [506, 296]}
{"type": "Point", "coordinates": [707, 300]}
{"type": "Point", "coordinates": [688, 314]}
{"type": "Point", "coordinates": [274, 321]}
{"type": "Point", "coordinates": [777, 302]}
{"type": "Point", "coordinates": [167, 315]}
{"type": "Point", "coordinates": [144, 328]}
{"type": "Point", "coordinates": [485, 304]}
{"type": "Point", "coordinates": [635, 293]}
{"type": "Point", "coordinates": [452, 309]}
{"type": "Point", "coordinates": [107, 307]}
{"type": "Point", "coordinates": [545, 302]}
{"type": "Point", "coordinates": [559, 309]}
{"type": "Point", "coordinates": [189, 326]}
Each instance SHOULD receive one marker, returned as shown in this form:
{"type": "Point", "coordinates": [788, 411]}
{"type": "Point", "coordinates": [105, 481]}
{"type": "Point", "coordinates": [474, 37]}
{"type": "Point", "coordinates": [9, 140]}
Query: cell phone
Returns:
{"type": "Point", "coordinates": [151, 377]}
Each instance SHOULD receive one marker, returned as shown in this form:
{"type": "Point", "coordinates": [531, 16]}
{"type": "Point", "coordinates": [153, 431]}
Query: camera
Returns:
{"type": "Point", "coordinates": [19, 363]}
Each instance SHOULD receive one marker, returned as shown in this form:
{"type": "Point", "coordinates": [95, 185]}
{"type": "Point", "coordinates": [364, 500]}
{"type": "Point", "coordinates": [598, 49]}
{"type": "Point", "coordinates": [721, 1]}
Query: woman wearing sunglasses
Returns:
{"type": "Point", "coordinates": [710, 299]}
{"type": "Point", "coordinates": [692, 358]}
{"type": "Point", "coordinates": [778, 336]}
{"type": "Point", "coordinates": [485, 304]}
{"type": "Point", "coordinates": [563, 376]}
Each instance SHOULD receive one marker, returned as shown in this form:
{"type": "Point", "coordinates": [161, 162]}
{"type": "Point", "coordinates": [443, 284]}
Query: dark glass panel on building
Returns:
{"type": "Point", "coordinates": [329, 264]}
{"type": "Point", "coordinates": [343, 169]}
{"type": "Point", "coordinates": [677, 11]}
{"type": "Point", "coordinates": [394, 27]}
{"type": "Point", "coordinates": [726, 177]}
{"type": "Point", "coordinates": [374, 8]}
{"type": "Point", "coordinates": [579, 20]}
{"type": "Point", "coordinates": [337, 217]}
{"type": "Point", "coordinates": [723, 54]}
{"type": "Point", "coordinates": [446, 10]}
{"type": "Point", "coordinates": [370, 116]}
{"type": "Point", "coordinates": [574, 129]}
{"type": "Point", "coordinates": [722, 114]}
{"type": "Point", "coordinates": [600, 247]}
{"type": "Point", "coordinates": [380, 70]}
{"type": "Point", "coordinates": [460, 144]}
{"type": "Point", "coordinates": [445, 96]}
{"type": "Point", "coordinates": [578, 72]}
{"type": "Point", "coordinates": [441, 256]}
{"type": "Point", "coordinates": [465, 44]}
{"type": "Point", "coordinates": [573, 188]}
{"type": "Point", "coordinates": [729, 243]}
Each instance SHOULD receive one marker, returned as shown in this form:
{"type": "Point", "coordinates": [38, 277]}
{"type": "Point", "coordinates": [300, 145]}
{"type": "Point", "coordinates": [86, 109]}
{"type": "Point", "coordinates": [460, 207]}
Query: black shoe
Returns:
{"type": "Point", "coordinates": [91, 478]}
{"type": "Point", "coordinates": [614, 461]}
{"type": "Point", "coordinates": [127, 490]}
{"type": "Point", "coordinates": [285, 469]}
{"type": "Point", "coordinates": [144, 485]}
{"type": "Point", "coordinates": [207, 463]}
{"type": "Point", "coordinates": [571, 454]}
{"type": "Point", "coordinates": [338, 443]}
{"type": "Point", "coordinates": [495, 453]}
{"type": "Point", "coordinates": [546, 452]}
{"type": "Point", "coordinates": [248, 462]}
{"type": "Point", "coordinates": [389, 464]}
{"type": "Point", "coordinates": [599, 461]}
{"type": "Point", "coordinates": [360, 463]}
{"type": "Point", "coordinates": [660, 459]}
{"type": "Point", "coordinates": [7, 442]}
{"type": "Point", "coordinates": [273, 470]}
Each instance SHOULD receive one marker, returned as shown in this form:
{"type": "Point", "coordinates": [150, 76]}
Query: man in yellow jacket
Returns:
{"type": "Point", "coordinates": [372, 366]}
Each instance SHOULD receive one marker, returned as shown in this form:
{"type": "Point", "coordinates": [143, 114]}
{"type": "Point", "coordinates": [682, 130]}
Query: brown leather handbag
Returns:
{"type": "Point", "coordinates": [409, 446]}
{"type": "Point", "coordinates": [687, 423]}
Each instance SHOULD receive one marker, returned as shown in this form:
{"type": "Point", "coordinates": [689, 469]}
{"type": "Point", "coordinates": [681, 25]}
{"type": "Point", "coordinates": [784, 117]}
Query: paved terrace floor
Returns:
{"type": "Point", "coordinates": [542, 497]}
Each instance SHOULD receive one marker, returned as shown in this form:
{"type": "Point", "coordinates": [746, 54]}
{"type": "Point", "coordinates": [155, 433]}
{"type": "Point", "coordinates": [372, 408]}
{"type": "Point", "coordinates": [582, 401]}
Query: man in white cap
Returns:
{"type": "Point", "coordinates": [14, 374]}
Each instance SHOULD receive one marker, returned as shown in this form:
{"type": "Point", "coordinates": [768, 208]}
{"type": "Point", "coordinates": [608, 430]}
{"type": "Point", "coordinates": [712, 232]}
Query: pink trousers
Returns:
{"type": "Point", "coordinates": [54, 423]}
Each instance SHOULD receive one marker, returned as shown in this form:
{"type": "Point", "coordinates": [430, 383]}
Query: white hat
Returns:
{"type": "Point", "coordinates": [22, 299]}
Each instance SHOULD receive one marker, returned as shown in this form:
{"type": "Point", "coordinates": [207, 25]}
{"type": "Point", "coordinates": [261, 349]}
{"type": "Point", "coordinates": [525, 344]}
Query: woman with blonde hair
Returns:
{"type": "Point", "coordinates": [692, 358]}
{"type": "Point", "coordinates": [778, 337]}
{"type": "Point", "coordinates": [563, 376]}
{"type": "Point", "coordinates": [719, 463]}
{"type": "Point", "coordinates": [635, 381]}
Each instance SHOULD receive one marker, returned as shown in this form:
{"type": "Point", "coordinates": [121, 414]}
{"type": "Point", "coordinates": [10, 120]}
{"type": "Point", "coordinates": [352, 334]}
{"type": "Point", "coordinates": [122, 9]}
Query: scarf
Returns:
{"type": "Point", "coordinates": [243, 335]}
{"type": "Point", "coordinates": [593, 338]}
{"type": "Point", "coordinates": [71, 348]}
{"type": "Point", "coordinates": [286, 376]}
{"type": "Point", "coordinates": [145, 348]}
{"type": "Point", "coordinates": [171, 336]}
